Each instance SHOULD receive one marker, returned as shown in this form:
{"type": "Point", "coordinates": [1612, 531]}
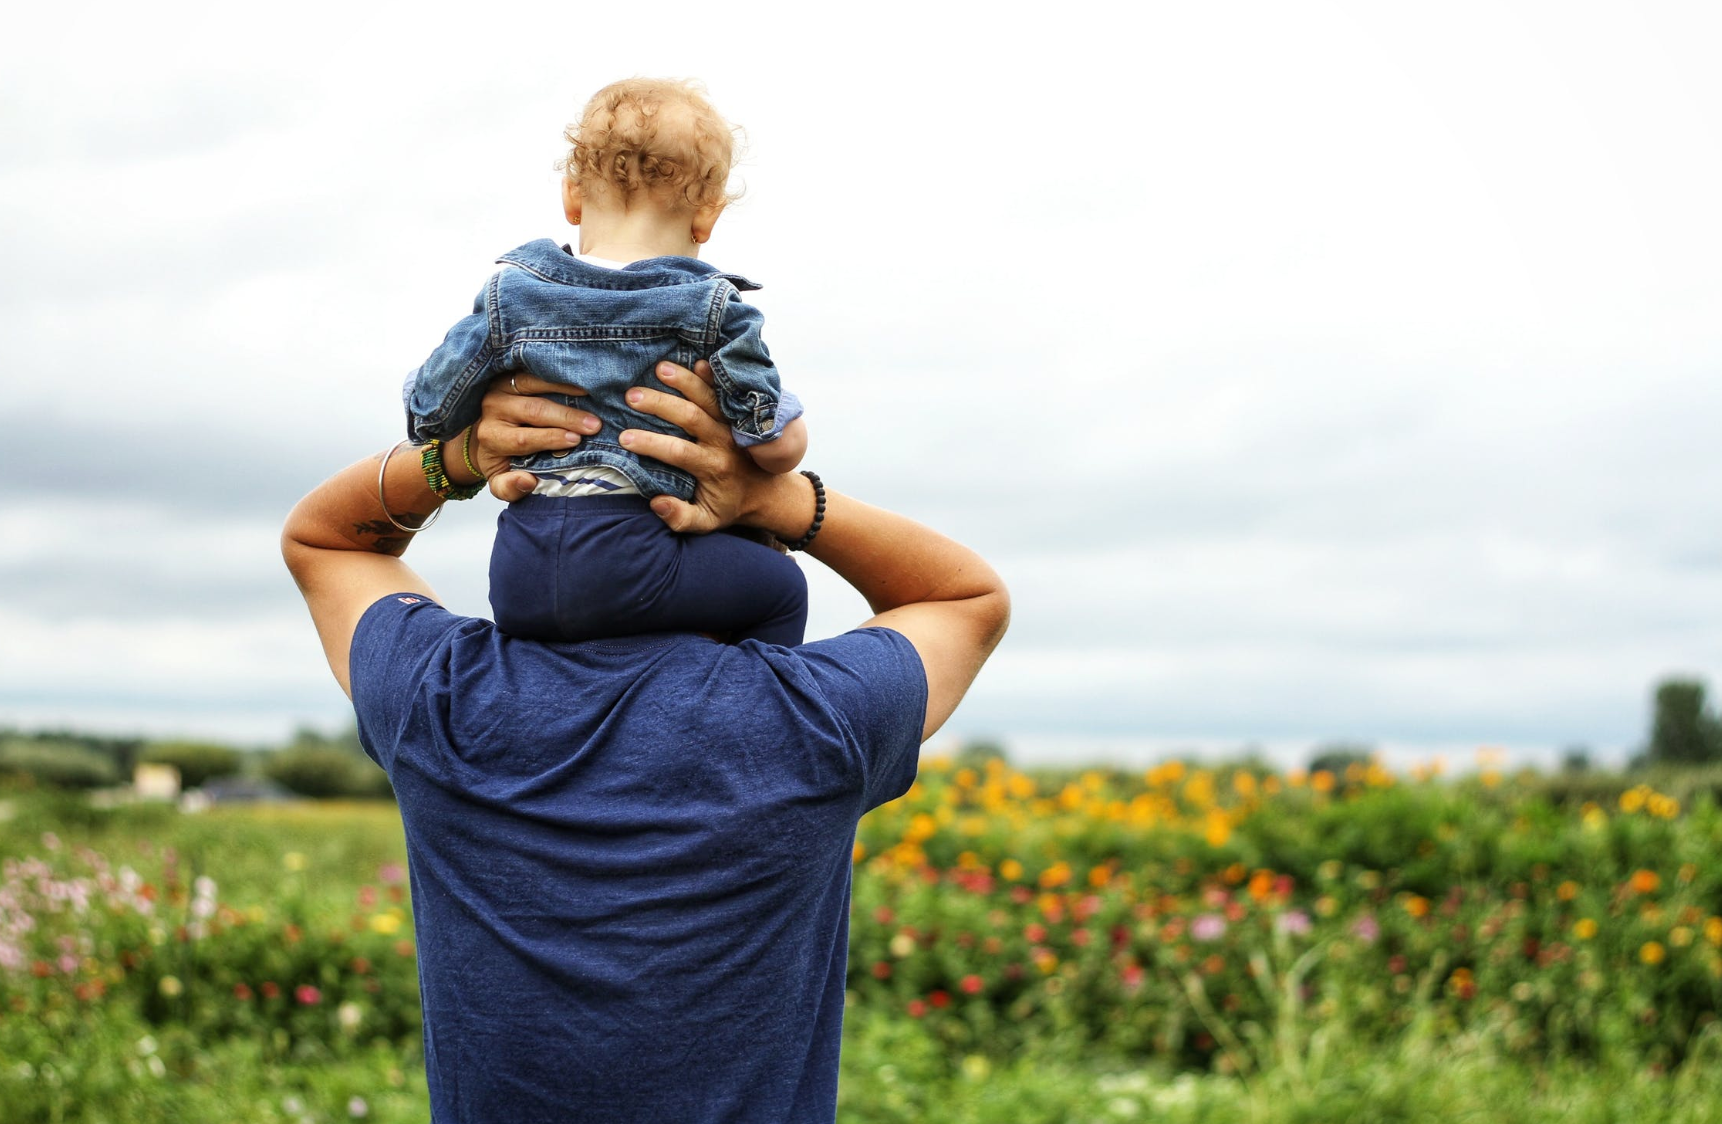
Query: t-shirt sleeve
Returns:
{"type": "Point", "coordinates": [395, 641]}
{"type": "Point", "coordinates": [873, 681]}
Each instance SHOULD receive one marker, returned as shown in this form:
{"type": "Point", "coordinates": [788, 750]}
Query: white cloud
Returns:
{"type": "Point", "coordinates": [1324, 369]}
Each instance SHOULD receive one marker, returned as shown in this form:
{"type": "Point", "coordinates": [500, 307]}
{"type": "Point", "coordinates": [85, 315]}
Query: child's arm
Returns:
{"type": "Point", "coordinates": [764, 418]}
{"type": "Point", "coordinates": [783, 454]}
{"type": "Point", "coordinates": [442, 396]}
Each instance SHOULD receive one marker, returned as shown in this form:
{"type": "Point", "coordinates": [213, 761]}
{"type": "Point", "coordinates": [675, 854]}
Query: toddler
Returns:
{"type": "Point", "coordinates": [583, 557]}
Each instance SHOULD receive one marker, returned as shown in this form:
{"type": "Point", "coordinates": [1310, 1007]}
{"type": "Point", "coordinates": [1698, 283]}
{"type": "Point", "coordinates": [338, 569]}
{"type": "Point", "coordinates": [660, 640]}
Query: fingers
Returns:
{"type": "Point", "coordinates": [683, 517]}
{"type": "Point", "coordinates": [677, 451]}
{"type": "Point", "coordinates": [695, 386]}
{"type": "Point", "coordinates": [511, 486]}
{"type": "Point", "coordinates": [521, 385]}
{"type": "Point", "coordinates": [684, 413]}
{"type": "Point", "coordinates": [536, 413]}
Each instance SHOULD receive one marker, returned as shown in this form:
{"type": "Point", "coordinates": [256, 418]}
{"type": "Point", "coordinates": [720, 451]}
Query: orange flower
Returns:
{"type": "Point", "coordinates": [1652, 953]}
{"type": "Point", "coordinates": [1644, 881]}
{"type": "Point", "coordinates": [1567, 891]}
{"type": "Point", "coordinates": [1416, 905]}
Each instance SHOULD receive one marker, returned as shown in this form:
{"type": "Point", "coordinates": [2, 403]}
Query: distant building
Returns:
{"type": "Point", "coordinates": [155, 781]}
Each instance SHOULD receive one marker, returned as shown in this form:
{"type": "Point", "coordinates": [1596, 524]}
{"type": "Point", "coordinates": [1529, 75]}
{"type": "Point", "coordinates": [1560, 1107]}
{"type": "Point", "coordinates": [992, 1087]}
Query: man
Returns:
{"type": "Point", "coordinates": [630, 858]}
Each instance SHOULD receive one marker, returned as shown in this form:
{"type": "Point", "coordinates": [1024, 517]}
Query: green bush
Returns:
{"type": "Point", "coordinates": [56, 764]}
{"type": "Point", "coordinates": [323, 772]}
{"type": "Point", "coordinates": [196, 761]}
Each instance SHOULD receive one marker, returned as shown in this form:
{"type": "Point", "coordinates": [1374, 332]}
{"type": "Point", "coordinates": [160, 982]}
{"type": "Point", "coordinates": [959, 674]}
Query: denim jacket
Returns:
{"type": "Point", "coordinates": [604, 330]}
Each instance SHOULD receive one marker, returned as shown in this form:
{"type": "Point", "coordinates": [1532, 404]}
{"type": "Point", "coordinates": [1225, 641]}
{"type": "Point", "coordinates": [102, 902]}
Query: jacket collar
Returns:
{"type": "Point", "coordinates": [558, 263]}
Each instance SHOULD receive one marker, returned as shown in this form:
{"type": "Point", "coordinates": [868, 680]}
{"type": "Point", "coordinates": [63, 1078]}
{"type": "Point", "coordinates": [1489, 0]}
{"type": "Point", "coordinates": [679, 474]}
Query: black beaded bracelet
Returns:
{"type": "Point", "coordinates": [818, 511]}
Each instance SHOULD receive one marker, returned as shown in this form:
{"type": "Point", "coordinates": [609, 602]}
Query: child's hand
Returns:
{"type": "Point", "coordinates": [516, 422]}
{"type": "Point", "coordinates": [783, 454]}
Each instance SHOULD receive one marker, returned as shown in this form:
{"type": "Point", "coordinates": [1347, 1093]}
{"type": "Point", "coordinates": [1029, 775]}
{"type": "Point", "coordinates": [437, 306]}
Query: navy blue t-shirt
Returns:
{"type": "Point", "coordinates": [630, 858]}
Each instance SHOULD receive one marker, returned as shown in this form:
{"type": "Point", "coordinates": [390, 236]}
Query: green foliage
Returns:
{"type": "Point", "coordinates": [1333, 757]}
{"type": "Point", "coordinates": [58, 764]}
{"type": "Point", "coordinates": [1380, 950]}
{"type": "Point", "coordinates": [325, 772]}
{"type": "Point", "coordinates": [196, 761]}
{"type": "Point", "coordinates": [1682, 731]}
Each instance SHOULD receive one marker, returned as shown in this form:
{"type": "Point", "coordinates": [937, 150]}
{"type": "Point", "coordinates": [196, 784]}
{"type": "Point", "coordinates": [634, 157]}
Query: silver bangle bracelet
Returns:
{"type": "Point", "coordinates": [384, 504]}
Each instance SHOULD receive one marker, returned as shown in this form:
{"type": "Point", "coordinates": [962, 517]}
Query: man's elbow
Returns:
{"type": "Point", "coordinates": [995, 605]}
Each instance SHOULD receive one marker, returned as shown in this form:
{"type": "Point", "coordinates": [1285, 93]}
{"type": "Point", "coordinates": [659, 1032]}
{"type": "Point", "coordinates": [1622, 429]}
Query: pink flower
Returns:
{"type": "Point", "coordinates": [307, 995]}
{"type": "Point", "coordinates": [1296, 921]}
{"type": "Point", "coordinates": [1366, 929]}
{"type": "Point", "coordinates": [1207, 927]}
{"type": "Point", "coordinates": [391, 873]}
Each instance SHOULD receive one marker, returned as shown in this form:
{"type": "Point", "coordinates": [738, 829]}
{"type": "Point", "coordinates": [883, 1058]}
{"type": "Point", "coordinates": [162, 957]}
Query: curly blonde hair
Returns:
{"type": "Point", "coordinates": [657, 136]}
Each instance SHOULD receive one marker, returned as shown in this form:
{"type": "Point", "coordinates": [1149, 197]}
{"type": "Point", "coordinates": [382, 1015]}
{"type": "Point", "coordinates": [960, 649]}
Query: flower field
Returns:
{"type": "Point", "coordinates": [1181, 943]}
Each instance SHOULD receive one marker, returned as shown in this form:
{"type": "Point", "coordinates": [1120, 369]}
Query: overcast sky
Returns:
{"type": "Point", "coordinates": [1310, 370]}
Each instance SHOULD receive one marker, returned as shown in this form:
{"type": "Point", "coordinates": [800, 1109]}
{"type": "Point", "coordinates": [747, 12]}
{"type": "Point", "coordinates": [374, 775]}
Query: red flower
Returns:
{"type": "Point", "coordinates": [1080, 938]}
{"type": "Point", "coordinates": [1132, 975]}
{"type": "Point", "coordinates": [917, 1009]}
{"type": "Point", "coordinates": [883, 915]}
{"type": "Point", "coordinates": [1035, 933]}
{"type": "Point", "coordinates": [940, 999]}
{"type": "Point", "coordinates": [241, 991]}
{"type": "Point", "coordinates": [270, 991]}
{"type": "Point", "coordinates": [307, 995]}
{"type": "Point", "coordinates": [972, 984]}
{"type": "Point", "coordinates": [882, 970]}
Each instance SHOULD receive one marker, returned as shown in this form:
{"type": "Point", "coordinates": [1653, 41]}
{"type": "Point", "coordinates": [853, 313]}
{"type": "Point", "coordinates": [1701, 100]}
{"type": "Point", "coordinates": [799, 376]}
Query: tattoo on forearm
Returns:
{"type": "Point", "coordinates": [381, 536]}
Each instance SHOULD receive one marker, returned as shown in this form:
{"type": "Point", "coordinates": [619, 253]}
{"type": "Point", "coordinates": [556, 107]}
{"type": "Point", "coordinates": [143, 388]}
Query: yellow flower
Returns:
{"type": "Point", "coordinates": [1321, 780]}
{"type": "Point", "coordinates": [293, 860]}
{"type": "Point", "coordinates": [170, 986]}
{"type": "Point", "coordinates": [1680, 936]}
{"type": "Point", "coordinates": [1055, 875]}
{"type": "Point", "coordinates": [1662, 807]}
{"type": "Point", "coordinates": [388, 924]}
{"type": "Point", "coordinates": [1713, 930]}
{"type": "Point", "coordinates": [902, 945]}
{"type": "Point", "coordinates": [1584, 928]}
{"type": "Point", "coordinates": [1010, 870]}
{"type": "Point", "coordinates": [860, 850]}
{"type": "Point", "coordinates": [1652, 953]}
{"type": "Point", "coordinates": [1326, 906]}
{"type": "Point", "coordinates": [1045, 960]}
{"type": "Point", "coordinates": [1633, 799]}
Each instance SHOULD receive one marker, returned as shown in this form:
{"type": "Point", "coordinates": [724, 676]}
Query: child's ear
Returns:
{"type": "Point", "coordinates": [572, 200]}
{"type": "Point", "coordinates": [704, 219]}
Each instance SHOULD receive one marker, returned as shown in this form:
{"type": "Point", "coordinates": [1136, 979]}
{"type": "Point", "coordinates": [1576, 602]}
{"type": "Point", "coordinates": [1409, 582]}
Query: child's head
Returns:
{"type": "Point", "coordinates": [651, 141]}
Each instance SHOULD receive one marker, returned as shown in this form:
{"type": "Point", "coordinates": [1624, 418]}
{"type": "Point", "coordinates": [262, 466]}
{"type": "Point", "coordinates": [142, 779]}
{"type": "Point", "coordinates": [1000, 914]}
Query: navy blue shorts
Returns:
{"type": "Point", "coordinates": [582, 568]}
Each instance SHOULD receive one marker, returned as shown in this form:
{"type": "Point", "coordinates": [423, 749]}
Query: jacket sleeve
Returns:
{"type": "Point", "coordinates": [749, 393]}
{"type": "Point", "coordinates": [442, 396]}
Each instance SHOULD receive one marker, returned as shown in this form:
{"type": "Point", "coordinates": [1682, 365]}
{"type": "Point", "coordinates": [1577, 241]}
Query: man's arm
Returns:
{"type": "Point", "coordinates": [341, 546]}
{"type": "Point", "coordinates": [939, 594]}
